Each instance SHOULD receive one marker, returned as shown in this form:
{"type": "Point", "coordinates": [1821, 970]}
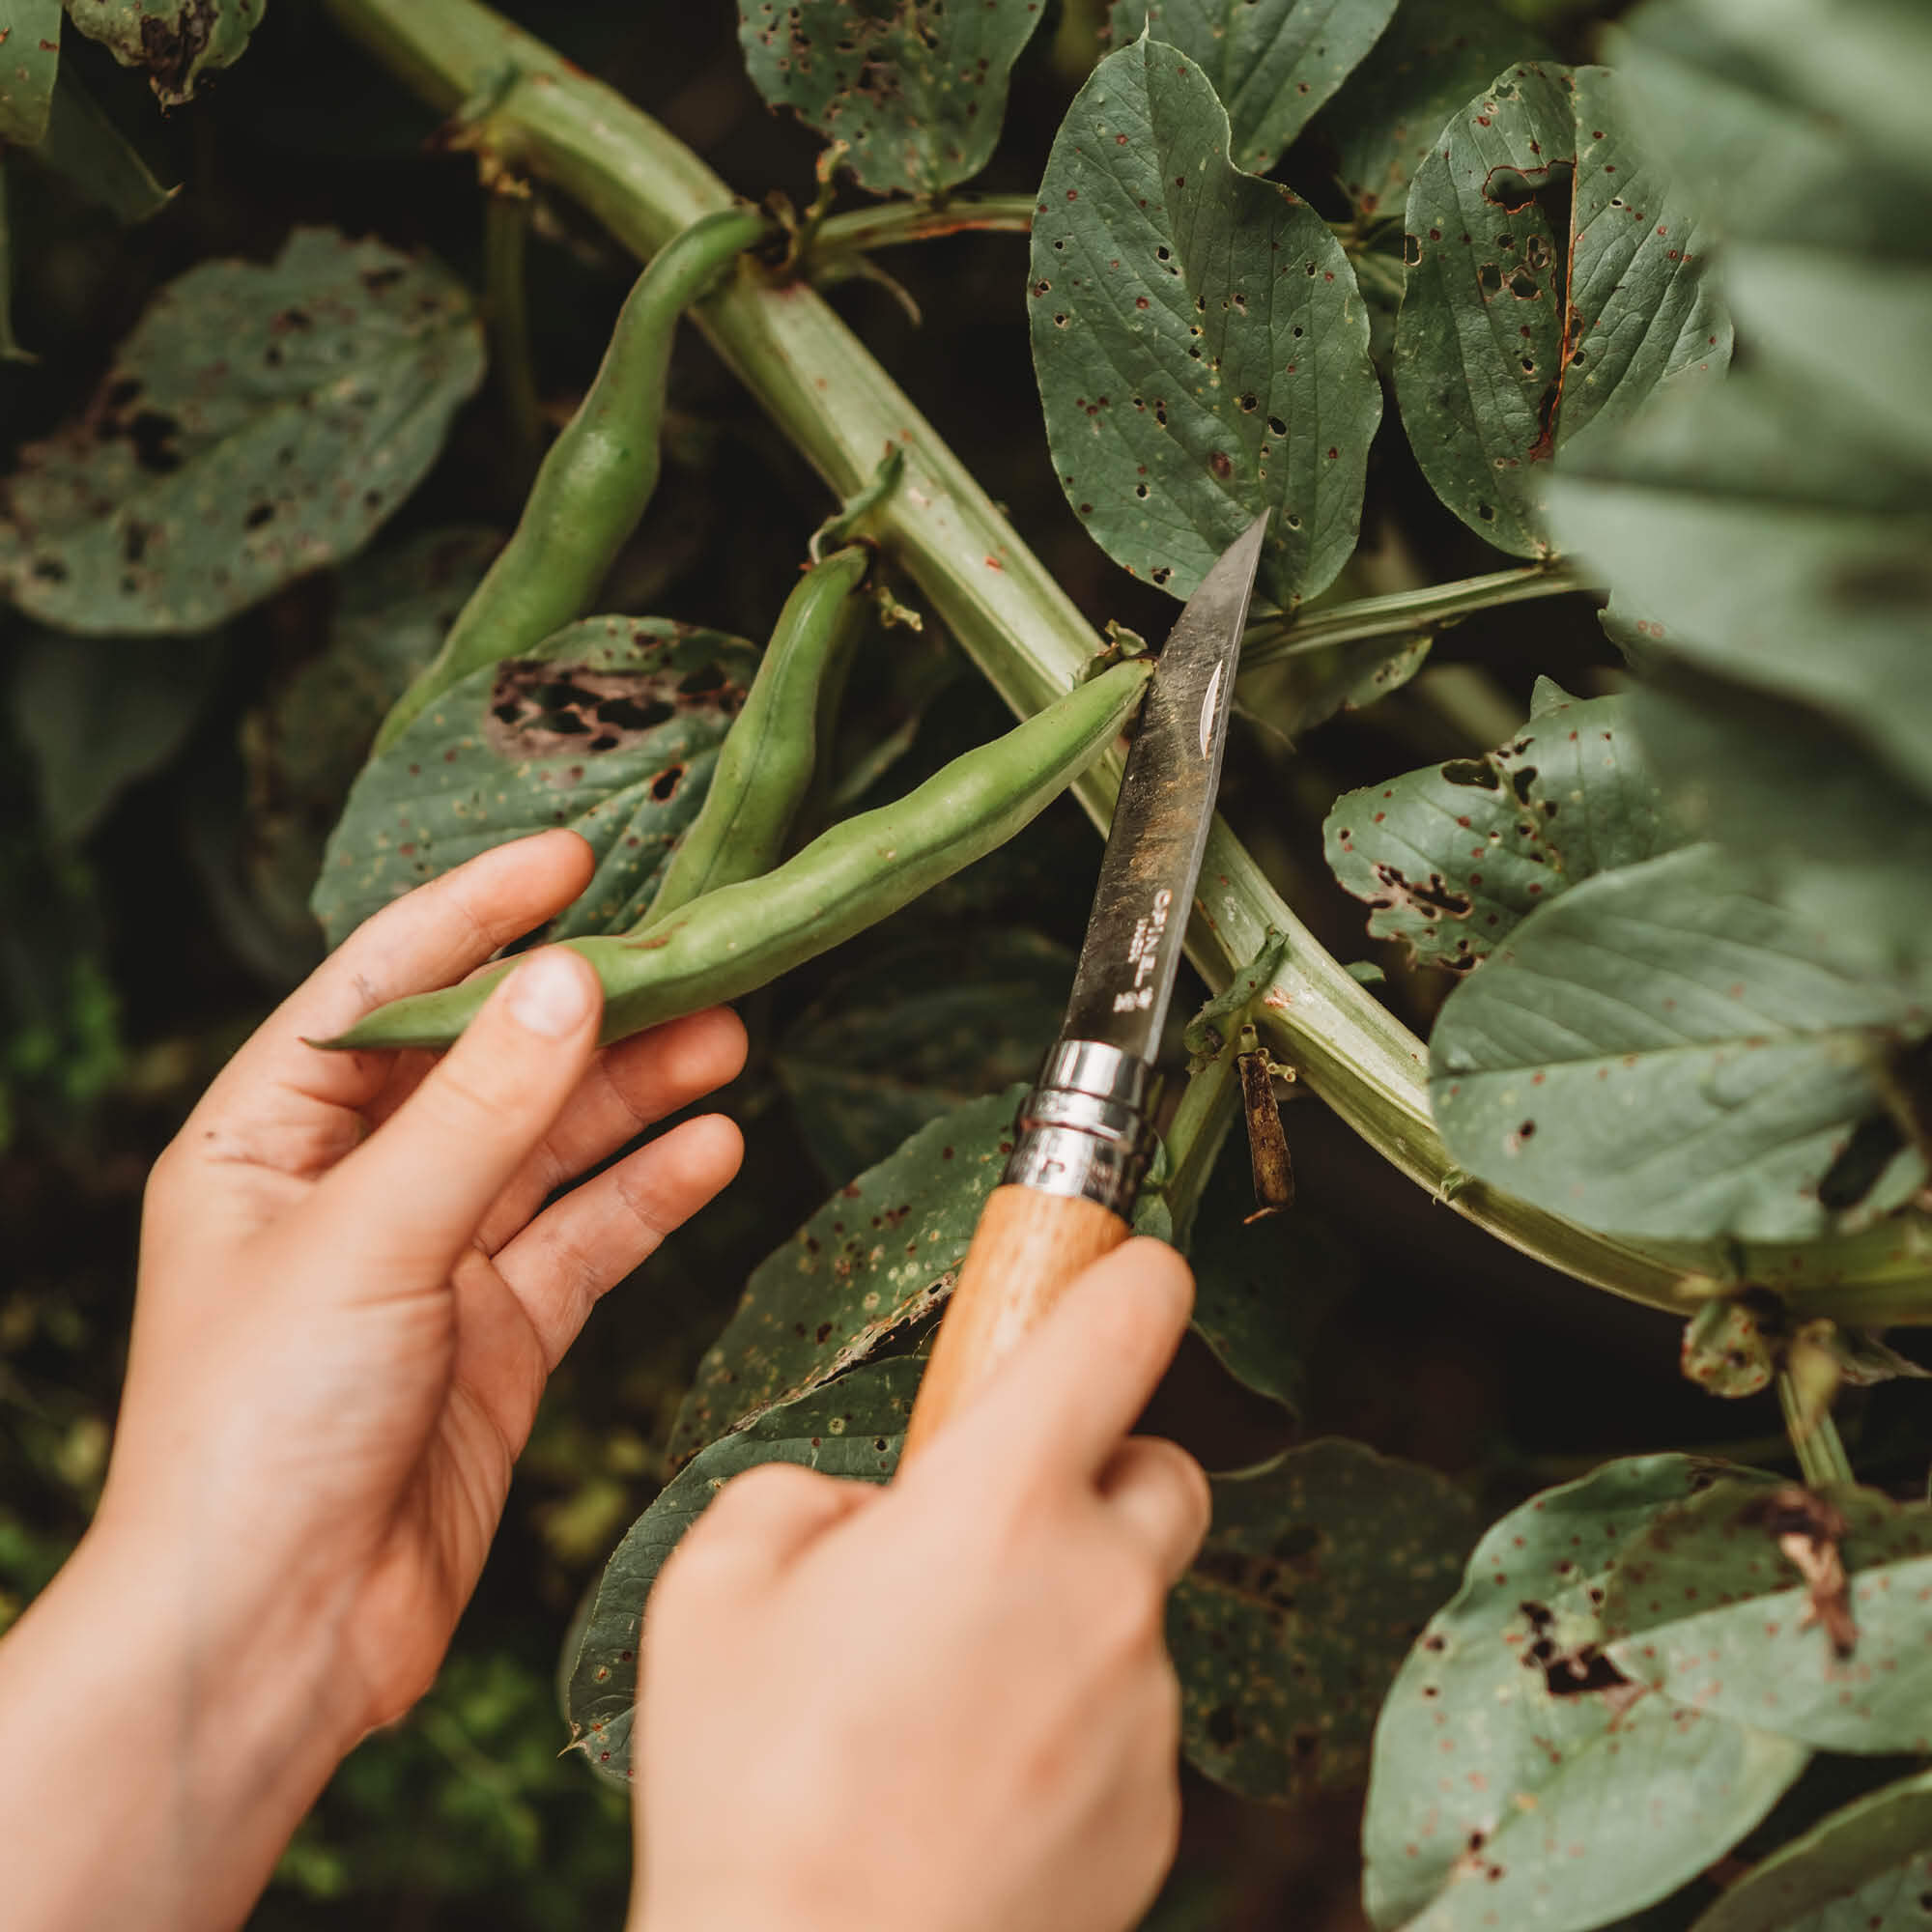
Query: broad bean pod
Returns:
{"type": "Point", "coordinates": [742, 936]}
{"type": "Point", "coordinates": [765, 766]}
{"type": "Point", "coordinates": [596, 479]}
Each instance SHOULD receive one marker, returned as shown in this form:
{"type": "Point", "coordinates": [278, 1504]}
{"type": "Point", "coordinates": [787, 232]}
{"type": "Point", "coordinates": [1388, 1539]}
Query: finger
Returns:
{"type": "Point", "coordinates": [1061, 1402]}
{"type": "Point", "coordinates": [760, 1524]}
{"type": "Point", "coordinates": [281, 1102]}
{"type": "Point", "coordinates": [408, 1200]}
{"type": "Point", "coordinates": [1158, 1493]}
{"type": "Point", "coordinates": [630, 1087]}
{"type": "Point", "coordinates": [581, 1246]}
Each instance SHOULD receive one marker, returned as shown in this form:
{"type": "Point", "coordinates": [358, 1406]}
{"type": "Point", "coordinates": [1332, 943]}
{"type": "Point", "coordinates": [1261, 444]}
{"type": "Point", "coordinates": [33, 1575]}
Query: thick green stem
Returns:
{"type": "Point", "coordinates": [1405, 612]}
{"type": "Point", "coordinates": [842, 412]}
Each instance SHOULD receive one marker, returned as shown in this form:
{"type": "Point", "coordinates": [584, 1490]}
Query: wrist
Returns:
{"type": "Point", "coordinates": [160, 1737]}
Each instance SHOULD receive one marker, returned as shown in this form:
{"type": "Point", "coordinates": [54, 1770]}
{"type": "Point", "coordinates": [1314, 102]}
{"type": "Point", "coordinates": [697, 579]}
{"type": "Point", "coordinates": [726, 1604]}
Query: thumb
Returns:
{"type": "Point", "coordinates": [411, 1196]}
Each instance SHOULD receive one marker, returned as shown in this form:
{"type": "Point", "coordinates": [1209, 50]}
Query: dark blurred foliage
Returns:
{"type": "Point", "coordinates": [133, 960]}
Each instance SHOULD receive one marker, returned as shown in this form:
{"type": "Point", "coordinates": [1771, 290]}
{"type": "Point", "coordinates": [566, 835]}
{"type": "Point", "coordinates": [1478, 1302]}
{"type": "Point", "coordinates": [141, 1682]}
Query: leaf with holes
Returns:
{"type": "Point", "coordinates": [612, 728]}
{"type": "Point", "coordinates": [1201, 346]}
{"type": "Point", "coordinates": [259, 423]}
{"type": "Point", "coordinates": [1321, 1568]}
{"type": "Point", "coordinates": [852, 1429]}
{"type": "Point", "coordinates": [1666, 1052]}
{"type": "Point", "coordinates": [1707, 1607]}
{"type": "Point", "coordinates": [1517, 1778]}
{"type": "Point", "coordinates": [1866, 1868]}
{"type": "Point", "coordinates": [1432, 57]}
{"type": "Point", "coordinates": [178, 43]}
{"type": "Point", "coordinates": [881, 1253]}
{"type": "Point", "coordinates": [1453, 856]}
{"type": "Point", "coordinates": [916, 89]}
{"type": "Point", "coordinates": [1272, 62]}
{"type": "Point", "coordinates": [29, 62]}
{"type": "Point", "coordinates": [304, 747]}
{"type": "Point", "coordinates": [920, 1027]}
{"type": "Point", "coordinates": [1555, 279]}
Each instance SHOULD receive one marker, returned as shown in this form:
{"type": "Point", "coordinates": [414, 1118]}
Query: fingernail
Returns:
{"type": "Point", "coordinates": [548, 994]}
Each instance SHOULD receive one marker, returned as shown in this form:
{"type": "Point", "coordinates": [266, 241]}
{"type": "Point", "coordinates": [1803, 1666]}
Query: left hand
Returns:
{"type": "Point", "coordinates": [351, 1292]}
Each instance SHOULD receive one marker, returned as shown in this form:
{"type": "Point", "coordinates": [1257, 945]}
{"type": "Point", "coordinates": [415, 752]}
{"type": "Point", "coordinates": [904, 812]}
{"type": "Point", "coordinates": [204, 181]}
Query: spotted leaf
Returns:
{"type": "Point", "coordinates": [1201, 344]}
{"type": "Point", "coordinates": [1319, 1570]}
{"type": "Point", "coordinates": [1708, 1607]}
{"type": "Point", "coordinates": [853, 1429]}
{"type": "Point", "coordinates": [612, 728]}
{"type": "Point", "coordinates": [1453, 856]}
{"type": "Point", "coordinates": [29, 60]}
{"type": "Point", "coordinates": [1519, 1779]}
{"type": "Point", "coordinates": [1555, 279]}
{"type": "Point", "coordinates": [916, 89]}
{"type": "Point", "coordinates": [881, 1253]}
{"type": "Point", "coordinates": [1666, 1052]}
{"type": "Point", "coordinates": [259, 423]}
{"type": "Point", "coordinates": [1272, 62]}
{"type": "Point", "coordinates": [178, 43]}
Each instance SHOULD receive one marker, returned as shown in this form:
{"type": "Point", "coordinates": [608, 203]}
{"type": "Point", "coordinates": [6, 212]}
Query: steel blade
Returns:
{"type": "Point", "coordinates": [1146, 891]}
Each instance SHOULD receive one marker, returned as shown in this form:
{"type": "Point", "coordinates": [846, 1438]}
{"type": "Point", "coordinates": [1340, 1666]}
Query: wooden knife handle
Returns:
{"type": "Point", "coordinates": [1027, 1249]}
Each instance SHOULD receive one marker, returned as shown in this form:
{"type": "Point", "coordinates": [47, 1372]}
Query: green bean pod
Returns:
{"type": "Point", "coordinates": [765, 766]}
{"type": "Point", "coordinates": [740, 937]}
{"type": "Point", "coordinates": [596, 479]}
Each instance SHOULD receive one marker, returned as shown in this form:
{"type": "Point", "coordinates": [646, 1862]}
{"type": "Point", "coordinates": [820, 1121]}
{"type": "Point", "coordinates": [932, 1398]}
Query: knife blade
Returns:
{"type": "Point", "coordinates": [1083, 1136]}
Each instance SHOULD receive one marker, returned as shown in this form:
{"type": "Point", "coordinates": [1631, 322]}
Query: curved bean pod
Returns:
{"type": "Point", "coordinates": [865, 867]}
{"type": "Point", "coordinates": [595, 482]}
{"type": "Point", "coordinates": [765, 765]}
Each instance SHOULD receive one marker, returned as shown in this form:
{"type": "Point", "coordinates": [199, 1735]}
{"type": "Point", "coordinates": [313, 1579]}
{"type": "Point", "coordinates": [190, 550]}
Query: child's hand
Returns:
{"type": "Point", "coordinates": [350, 1290]}
{"type": "Point", "coordinates": [350, 1294]}
{"type": "Point", "coordinates": [946, 1704]}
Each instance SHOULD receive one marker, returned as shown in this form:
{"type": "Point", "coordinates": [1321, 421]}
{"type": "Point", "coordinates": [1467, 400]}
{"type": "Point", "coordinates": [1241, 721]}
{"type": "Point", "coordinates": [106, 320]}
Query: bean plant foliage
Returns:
{"type": "Point", "coordinates": [1455, 300]}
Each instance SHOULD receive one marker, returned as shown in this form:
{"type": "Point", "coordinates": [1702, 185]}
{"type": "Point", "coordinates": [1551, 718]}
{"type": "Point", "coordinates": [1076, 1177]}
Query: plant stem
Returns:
{"type": "Point", "coordinates": [892, 222]}
{"type": "Point", "coordinates": [1403, 611]}
{"type": "Point", "coordinates": [1821, 1455]}
{"type": "Point", "coordinates": [507, 227]}
{"type": "Point", "coordinates": [1194, 1136]}
{"type": "Point", "coordinates": [842, 412]}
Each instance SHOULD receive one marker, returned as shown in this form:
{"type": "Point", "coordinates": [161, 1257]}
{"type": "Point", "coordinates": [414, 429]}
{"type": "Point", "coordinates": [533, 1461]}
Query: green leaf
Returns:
{"type": "Point", "coordinates": [1863, 1869]}
{"type": "Point", "coordinates": [1319, 1569]}
{"type": "Point", "coordinates": [1705, 1607]}
{"type": "Point", "coordinates": [1454, 856]}
{"type": "Point", "coordinates": [881, 1253]}
{"type": "Point", "coordinates": [1201, 346]}
{"type": "Point", "coordinates": [29, 60]}
{"type": "Point", "coordinates": [180, 42]}
{"type": "Point", "coordinates": [1515, 1782]}
{"type": "Point", "coordinates": [1434, 56]}
{"type": "Point", "coordinates": [610, 727]}
{"type": "Point", "coordinates": [95, 157]}
{"type": "Point", "coordinates": [259, 423]}
{"type": "Point", "coordinates": [1555, 279]}
{"type": "Point", "coordinates": [1272, 62]}
{"type": "Point", "coordinates": [305, 746]}
{"type": "Point", "coordinates": [1750, 522]}
{"type": "Point", "coordinates": [921, 1027]}
{"type": "Point", "coordinates": [1800, 122]}
{"type": "Point", "coordinates": [916, 89]}
{"type": "Point", "coordinates": [853, 1429]}
{"type": "Point", "coordinates": [100, 714]}
{"type": "Point", "coordinates": [1845, 842]}
{"type": "Point", "coordinates": [1666, 1052]}
{"type": "Point", "coordinates": [1261, 1287]}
